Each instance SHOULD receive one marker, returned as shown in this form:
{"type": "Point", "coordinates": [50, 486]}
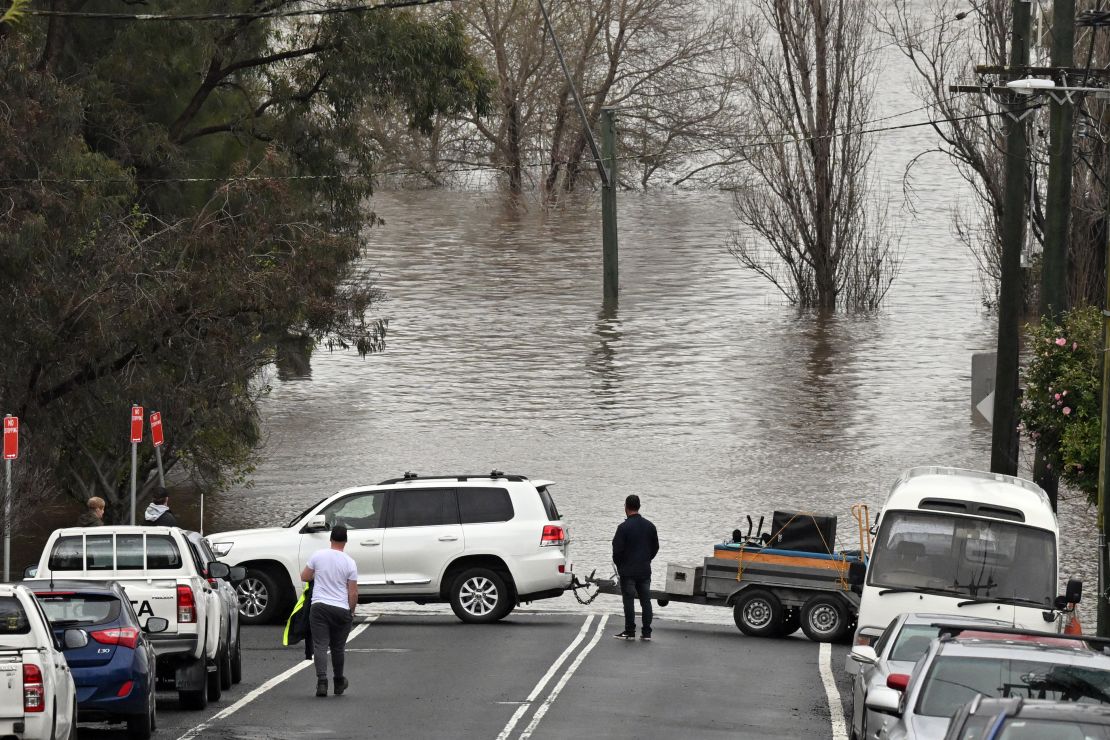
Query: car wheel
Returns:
{"type": "Point", "coordinates": [141, 726]}
{"type": "Point", "coordinates": [479, 596]}
{"type": "Point", "coordinates": [215, 681]}
{"type": "Point", "coordinates": [824, 619]}
{"type": "Point", "coordinates": [758, 613]}
{"type": "Point", "coordinates": [225, 666]}
{"type": "Point", "coordinates": [259, 598]}
{"type": "Point", "coordinates": [237, 658]}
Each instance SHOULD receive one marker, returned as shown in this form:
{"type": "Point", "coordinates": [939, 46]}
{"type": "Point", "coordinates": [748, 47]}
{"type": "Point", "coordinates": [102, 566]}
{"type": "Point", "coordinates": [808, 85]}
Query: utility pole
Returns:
{"type": "Point", "coordinates": [1004, 435]}
{"type": "Point", "coordinates": [609, 205]}
{"type": "Point", "coordinates": [1104, 450]}
{"type": "Point", "coordinates": [1057, 234]}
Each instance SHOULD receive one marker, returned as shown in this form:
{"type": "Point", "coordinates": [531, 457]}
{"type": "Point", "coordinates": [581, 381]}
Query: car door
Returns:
{"type": "Point", "coordinates": [363, 515]}
{"type": "Point", "coordinates": [423, 535]}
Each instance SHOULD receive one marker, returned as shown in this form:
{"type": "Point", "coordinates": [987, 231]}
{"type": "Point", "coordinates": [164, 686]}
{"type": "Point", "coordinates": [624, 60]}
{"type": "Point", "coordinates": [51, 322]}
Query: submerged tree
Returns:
{"type": "Point", "coordinates": [813, 224]}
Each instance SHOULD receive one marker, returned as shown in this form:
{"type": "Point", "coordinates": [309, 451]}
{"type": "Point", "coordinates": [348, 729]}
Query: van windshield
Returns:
{"type": "Point", "coordinates": [964, 556]}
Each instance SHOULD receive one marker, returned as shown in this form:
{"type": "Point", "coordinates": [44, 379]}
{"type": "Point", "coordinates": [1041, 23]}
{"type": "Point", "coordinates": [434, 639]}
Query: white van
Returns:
{"type": "Point", "coordinates": [966, 543]}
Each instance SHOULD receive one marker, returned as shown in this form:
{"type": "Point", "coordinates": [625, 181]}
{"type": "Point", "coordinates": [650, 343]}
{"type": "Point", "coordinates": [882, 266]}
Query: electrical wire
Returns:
{"type": "Point", "coordinates": [244, 16]}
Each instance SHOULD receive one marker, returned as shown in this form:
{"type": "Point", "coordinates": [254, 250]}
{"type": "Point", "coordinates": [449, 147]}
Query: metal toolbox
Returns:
{"type": "Point", "coordinates": [683, 580]}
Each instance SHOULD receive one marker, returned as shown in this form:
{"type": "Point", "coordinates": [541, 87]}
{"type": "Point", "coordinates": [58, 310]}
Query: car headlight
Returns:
{"type": "Point", "coordinates": [222, 548]}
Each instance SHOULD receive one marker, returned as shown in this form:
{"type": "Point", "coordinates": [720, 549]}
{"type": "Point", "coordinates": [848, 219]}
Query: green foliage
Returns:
{"type": "Point", "coordinates": [1062, 407]}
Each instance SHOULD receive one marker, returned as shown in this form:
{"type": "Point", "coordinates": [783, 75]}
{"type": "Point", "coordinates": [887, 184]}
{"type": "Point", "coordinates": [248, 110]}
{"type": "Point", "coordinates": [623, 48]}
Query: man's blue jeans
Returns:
{"type": "Point", "coordinates": [631, 589]}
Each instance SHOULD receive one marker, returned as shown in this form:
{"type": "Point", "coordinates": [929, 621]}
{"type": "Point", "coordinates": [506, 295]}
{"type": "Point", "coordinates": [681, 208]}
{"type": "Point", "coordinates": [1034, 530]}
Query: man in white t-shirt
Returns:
{"type": "Point", "coordinates": [334, 597]}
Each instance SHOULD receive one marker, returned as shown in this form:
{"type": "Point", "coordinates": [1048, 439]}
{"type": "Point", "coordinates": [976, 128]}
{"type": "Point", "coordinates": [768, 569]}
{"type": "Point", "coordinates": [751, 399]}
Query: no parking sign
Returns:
{"type": "Point", "coordinates": [11, 437]}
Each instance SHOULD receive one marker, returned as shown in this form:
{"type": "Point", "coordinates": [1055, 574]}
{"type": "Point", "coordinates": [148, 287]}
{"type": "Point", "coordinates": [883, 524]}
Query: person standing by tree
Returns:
{"type": "Point", "coordinates": [93, 516]}
{"type": "Point", "coordinates": [635, 544]}
{"type": "Point", "coordinates": [334, 577]}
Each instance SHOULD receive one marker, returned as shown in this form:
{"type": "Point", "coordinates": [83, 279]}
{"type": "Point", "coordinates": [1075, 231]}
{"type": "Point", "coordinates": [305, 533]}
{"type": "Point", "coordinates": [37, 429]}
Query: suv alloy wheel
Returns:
{"type": "Point", "coordinates": [479, 595]}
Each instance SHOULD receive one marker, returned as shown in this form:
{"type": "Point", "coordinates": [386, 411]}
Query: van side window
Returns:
{"type": "Point", "coordinates": [478, 505]}
{"type": "Point", "coordinates": [162, 553]}
{"type": "Point", "coordinates": [99, 553]}
{"type": "Point", "coordinates": [427, 508]}
{"type": "Point", "coordinates": [68, 554]}
{"type": "Point", "coordinates": [129, 552]}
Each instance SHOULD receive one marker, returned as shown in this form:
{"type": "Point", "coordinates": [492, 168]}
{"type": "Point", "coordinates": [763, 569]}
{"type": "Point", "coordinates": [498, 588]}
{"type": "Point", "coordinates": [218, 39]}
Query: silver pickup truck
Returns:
{"type": "Point", "coordinates": [164, 575]}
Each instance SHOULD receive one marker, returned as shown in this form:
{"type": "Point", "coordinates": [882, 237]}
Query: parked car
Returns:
{"type": "Point", "coordinates": [994, 662]}
{"type": "Point", "coordinates": [484, 543]}
{"type": "Point", "coordinates": [232, 670]}
{"type": "Point", "coordinates": [1017, 718]}
{"type": "Point", "coordinates": [163, 577]}
{"type": "Point", "coordinates": [114, 671]}
{"type": "Point", "coordinates": [901, 645]}
{"type": "Point", "coordinates": [38, 699]}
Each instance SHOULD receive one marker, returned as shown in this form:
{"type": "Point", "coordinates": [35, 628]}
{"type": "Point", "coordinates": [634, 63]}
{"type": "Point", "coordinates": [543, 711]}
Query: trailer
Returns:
{"type": "Point", "coordinates": [775, 582]}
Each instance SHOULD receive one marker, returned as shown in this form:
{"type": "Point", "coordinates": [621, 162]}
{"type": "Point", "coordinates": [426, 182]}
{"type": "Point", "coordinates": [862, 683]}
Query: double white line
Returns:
{"type": "Point", "coordinates": [558, 687]}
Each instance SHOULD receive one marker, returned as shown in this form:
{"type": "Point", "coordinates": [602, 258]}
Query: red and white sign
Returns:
{"type": "Point", "coordinates": [11, 437]}
{"type": "Point", "coordinates": [156, 428]}
{"type": "Point", "coordinates": [136, 424]}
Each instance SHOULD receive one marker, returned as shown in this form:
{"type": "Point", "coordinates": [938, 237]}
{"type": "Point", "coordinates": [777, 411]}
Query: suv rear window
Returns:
{"type": "Point", "coordinates": [549, 504]}
{"type": "Point", "coordinates": [13, 620]}
{"type": "Point", "coordinates": [95, 551]}
{"type": "Point", "coordinates": [71, 610]}
{"type": "Point", "coordinates": [478, 505]}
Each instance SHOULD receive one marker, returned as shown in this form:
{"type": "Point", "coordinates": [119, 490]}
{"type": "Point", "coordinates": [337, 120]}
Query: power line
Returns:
{"type": "Point", "coordinates": [245, 16]}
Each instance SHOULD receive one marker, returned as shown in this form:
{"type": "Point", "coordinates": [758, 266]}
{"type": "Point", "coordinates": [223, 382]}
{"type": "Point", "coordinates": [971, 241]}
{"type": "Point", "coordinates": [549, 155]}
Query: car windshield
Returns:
{"type": "Point", "coordinates": [953, 681]}
{"type": "Point", "coordinates": [1052, 729]}
{"type": "Point", "coordinates": [964, 556]}
{"type": "Point", "coordinates": [303, 514]}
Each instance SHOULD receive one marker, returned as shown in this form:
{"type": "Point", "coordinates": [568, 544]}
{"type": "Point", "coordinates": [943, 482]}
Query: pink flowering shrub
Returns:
{"type": "Point", "coordinates": [1063, 393]}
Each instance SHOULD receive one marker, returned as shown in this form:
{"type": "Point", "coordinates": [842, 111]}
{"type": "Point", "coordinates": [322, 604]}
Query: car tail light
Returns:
{"type": "Point", "coordinates": [186, 605]}
{"type": "Point", "coordinates": [562, 568]}
{"type": "Point", "coordinates": [126, 636]}
{"type": "Point", "coordinates": [898, 681]}
{"type": "Point", "coordinates": [552, 535]}
{"type": "Point", "coordinates": [125, 689]}
{"type": "Point", "coordinates": [34, 694]}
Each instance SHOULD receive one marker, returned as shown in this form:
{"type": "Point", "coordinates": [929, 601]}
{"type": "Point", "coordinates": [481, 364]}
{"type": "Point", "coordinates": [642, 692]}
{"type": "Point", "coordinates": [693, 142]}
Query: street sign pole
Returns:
{"type": "Point", "coordinates": [136, 438]}
{"type": "Point", "coordinates": [157, 439]}
{"type": "Point", "coordinates": [11, 452]}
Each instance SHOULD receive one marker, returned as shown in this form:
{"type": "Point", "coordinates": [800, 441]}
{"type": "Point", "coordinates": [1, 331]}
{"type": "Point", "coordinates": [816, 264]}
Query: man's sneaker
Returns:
{"type": "Point", "coordinates": [321, 687]}
{"type": "Point", "coordinates": [646, 637]}
{"type": "Point", "coordinates": [626, 635]}
{"type": "Point", "coordinates": [340, 686]}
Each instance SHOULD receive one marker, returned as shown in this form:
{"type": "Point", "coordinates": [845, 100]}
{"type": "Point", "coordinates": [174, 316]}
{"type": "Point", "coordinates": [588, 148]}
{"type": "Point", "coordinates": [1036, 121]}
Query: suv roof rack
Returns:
{"type": "Point", "coordinates": [950, 631]}
{"type": "Point", "coordinates": [492, 475]}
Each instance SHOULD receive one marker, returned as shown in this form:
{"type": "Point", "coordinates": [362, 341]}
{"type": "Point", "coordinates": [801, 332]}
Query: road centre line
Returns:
{"type": "Point", "coordinates": [278, 679]}
{"type": "Point", "coordinates": [832, 693]}
{"type": "Point", "coordinates": [563, 681]}
{"type": "Point", "coordinates": [520, 712]}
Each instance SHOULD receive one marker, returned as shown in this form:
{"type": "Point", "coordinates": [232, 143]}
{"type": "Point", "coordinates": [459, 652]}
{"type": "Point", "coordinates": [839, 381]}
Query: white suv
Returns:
{"type": "Point", "coordinates": [485, 543]}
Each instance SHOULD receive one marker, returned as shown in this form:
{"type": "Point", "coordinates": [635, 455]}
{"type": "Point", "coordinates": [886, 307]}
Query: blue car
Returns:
{"type": "Point", "coordinates": [114, 673]}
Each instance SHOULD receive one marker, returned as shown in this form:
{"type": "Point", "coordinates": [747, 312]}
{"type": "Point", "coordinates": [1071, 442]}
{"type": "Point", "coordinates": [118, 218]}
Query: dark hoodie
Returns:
{"type": "Point", "coordinates": [159, 515]}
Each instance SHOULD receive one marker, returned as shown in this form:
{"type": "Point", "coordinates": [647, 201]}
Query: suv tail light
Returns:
{"type": "Point", "coordinates": [34, 694]}
{"type": "Point", "coordinates": [126, 636]}
{"type": "Point", "coordinates": [186, 605]}
{"type": "Point", "coordinates": [552, 535]}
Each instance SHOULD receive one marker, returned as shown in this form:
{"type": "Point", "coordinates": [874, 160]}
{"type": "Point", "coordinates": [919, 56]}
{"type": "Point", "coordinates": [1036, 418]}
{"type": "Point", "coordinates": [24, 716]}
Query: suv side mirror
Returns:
{"type": "Point", "coordinates": [315, 523]}
{"type": "Point", "coordinates": [238, 573]}
{"type": "Point", "coordinates": [74, 639]}
{"type": "Point", "coordinates": [155, 625]}
{"type": "Point", "coordinates": [30, 571]}
{"type": "Point", "coordinates": [216, 569]}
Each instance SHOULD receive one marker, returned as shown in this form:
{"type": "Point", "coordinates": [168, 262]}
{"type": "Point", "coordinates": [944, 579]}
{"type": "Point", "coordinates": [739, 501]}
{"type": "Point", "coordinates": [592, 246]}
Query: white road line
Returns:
{"type": "Point", "coordinates": [546, 677]}
{"type": "Point", "coordinates": [563, 681]}
{"type": "Point", "coordinates": [832, 693]}
{"type": "Point", "coordinates": [265, 687]}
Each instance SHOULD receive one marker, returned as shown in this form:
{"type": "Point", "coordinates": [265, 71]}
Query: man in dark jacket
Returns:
{"type": "Point", "coordinates": [634, 546]}
{"type": "Point", "coordinates": [158, 514]}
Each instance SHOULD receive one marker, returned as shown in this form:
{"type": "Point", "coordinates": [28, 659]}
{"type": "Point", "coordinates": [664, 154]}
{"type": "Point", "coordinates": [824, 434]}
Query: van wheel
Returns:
{"type": "Point", "coordinates": [225, 666]}
{"type": "Point", "coordinates": [824, 619]}
{"type": "Point", "coordinates": [195, 700]}
{"type": "Point", "coordinates": [141, 727]}
{"type": "Point", "coordinates": [758, 613]}
{"type": "Point", "coordinates": [480, 596]}
{"type": "Point", "coordinates": [260, 597]}
{"type": "Point", "coordinates": [215, 679]}
{"type": "Point", "coordinates": [237, 657]}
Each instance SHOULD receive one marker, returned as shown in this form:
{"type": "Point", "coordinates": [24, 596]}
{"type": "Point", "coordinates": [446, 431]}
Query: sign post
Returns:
{"type": "Point", "coordinates": [11, 452]}
{"type": "Point", "coordinates": [157, 438]}
{"type": "Point", "coordinates": [136, 438]}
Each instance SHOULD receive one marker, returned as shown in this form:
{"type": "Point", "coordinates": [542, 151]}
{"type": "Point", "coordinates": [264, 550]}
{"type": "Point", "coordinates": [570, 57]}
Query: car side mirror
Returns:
{"type": "Point", "coordinates": [898, 681]}
{"type": "Point", "coordinates": [884, 701]}
{"type": "Point", "coordinates": [216, 569]}
{"type": "Point", "coordinates": [238, 574]}
{"type": "Point", "coordinates": [154, 625]}
{"type": "Point", "coordinates": [74, 639]}
{"type": "Point", "coordinates": [864, 654]}
{"type": "Point", "coordinates": [1074, 592]}
{"type": "Point", "coordinates": [315, 523]}
{"type": "Point", "coordinates": [30, 571]}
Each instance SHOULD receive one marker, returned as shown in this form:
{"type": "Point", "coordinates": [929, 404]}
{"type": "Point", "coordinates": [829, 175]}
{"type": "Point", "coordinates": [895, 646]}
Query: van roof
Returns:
{"type": "Point", "coordinates": [993, 489]}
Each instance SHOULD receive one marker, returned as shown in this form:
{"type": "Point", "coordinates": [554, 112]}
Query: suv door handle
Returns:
{"type": "Point", "coordinates": [448, 538]}
{"type": "Point", "coordinates": [369, 543]}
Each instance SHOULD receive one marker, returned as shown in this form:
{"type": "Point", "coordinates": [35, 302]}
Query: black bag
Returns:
{"type": "Point", "coordinates": [804, 532]}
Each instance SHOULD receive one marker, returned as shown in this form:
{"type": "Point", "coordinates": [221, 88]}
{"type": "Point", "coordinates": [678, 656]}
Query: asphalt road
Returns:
{"type": "Point", "coordinates": [537, 675]}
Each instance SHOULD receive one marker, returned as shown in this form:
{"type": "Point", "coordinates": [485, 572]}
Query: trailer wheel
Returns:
{"type": "Point", "coordinates": [824, 619]}
{"type": "Point", "coordinates": [758, 613]}
{"type": "Point", "coordinates": [791, 621]}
